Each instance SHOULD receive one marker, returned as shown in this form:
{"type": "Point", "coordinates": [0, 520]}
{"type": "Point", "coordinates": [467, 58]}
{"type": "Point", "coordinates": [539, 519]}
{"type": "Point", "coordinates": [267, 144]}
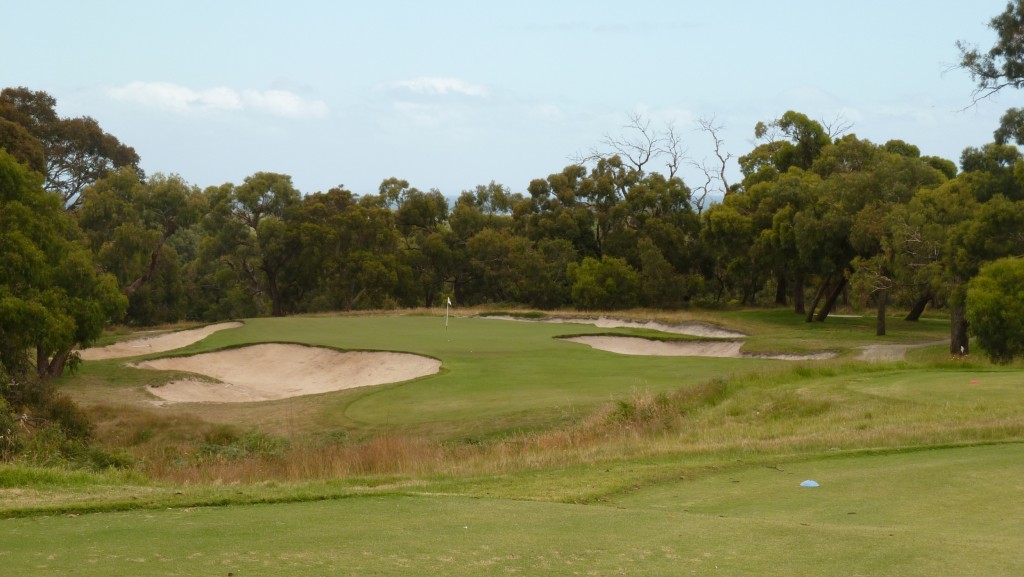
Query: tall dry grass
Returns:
{"type": "Point", "coordinates": [782, 412]}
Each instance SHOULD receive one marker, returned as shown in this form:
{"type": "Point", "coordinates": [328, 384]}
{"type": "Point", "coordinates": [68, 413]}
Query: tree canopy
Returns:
{"type": "Point", "coordinates": [996, 309]}
{"type": "Point", "coordinates": [75, 151]}
{"type": "Point", "coordinates": [52, 298]}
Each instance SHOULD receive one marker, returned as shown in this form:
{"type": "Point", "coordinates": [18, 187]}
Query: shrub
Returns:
{"type": "Point", "coordinates": [8, 431]}
{"type": "Point", "coordinates": [606, 284]}
{"type": "Point", "coordinates": [995, 309]}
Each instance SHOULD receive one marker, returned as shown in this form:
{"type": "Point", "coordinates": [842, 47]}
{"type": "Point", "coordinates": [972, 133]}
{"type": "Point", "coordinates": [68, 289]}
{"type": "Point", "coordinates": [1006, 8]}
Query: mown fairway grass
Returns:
{"type": "Point", "coordinates": [940, 512]}
{"type": "Point", "coordinates": [920, 464]}
{"type": "Point", "coordinates": [496, 376]}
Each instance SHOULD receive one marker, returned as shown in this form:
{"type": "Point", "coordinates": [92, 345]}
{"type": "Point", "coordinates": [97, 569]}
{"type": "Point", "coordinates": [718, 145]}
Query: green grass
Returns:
{"type": "Point", "coordinates": [546, 457]}
{"type": "Point", "coordinates": [946, 511]}
{"type": "Point", "coordinates": [497, 376]}
{"type": "Point", "coordinates": [781, 331]}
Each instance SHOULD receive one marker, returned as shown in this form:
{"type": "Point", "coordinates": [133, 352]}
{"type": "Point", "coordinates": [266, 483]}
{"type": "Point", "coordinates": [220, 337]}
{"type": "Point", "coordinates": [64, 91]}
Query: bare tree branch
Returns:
{"type": "Point", "coordinates": [712, 175]}
{"type": "Point", "coordinates": [639, 145]}
{"type": "Point", "coordinates": [671, 146]}
{"type": "Point", "coordinates": [837, 127]}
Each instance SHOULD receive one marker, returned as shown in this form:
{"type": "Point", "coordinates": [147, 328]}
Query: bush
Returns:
{"type": "Point", "coordinates": [995, 309]}
{"type": "Point", "coordinates": [224, 442]}
{"type": "Point", "coordinates": [606, 284]}
{"type": "Point", "coordinates": [8, 431]}
{"type": "Point", "coordinates": [61, 410]}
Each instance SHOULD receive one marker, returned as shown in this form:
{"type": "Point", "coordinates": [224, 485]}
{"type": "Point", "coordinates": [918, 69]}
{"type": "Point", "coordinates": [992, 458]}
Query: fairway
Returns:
{"type": "Point", "coordinates": [923, 513]}
{"type": "Point", "coordinates": [470, 306]}
{"type": "Point", "coordinates": [495, 375]}
{"type": "Point", "coordinates": [526, 453]}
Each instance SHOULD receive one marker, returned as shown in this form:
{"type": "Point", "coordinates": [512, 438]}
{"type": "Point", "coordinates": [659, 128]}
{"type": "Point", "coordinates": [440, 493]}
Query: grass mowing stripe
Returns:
{"type": "Point", "coordinates": [445, 535]}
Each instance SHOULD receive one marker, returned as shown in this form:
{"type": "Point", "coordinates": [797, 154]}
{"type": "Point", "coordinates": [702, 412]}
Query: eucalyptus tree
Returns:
{"type": "Point", "coordinates": [879, 235]}
{"type": "Point", "coordinates": [556, 208]}
{"type": "Point", "coordinates": [1002, 65]}
{"type": "Point", "coordinates": [346, 254]}
{"type": "Point", "coordinates": [991, 231]}
{"type": "Point", "coordinates": [77, 151]}
{"type": "Point", "coordinates": [726, 238]}
{"type": "Point", "coordinates": [247, 244]}
{"type": "Point", "coordinates": [861, 183]}
{"type": "Point", "coordinates": [52, 299]}
{"type": "Point", "coordinates": [128, 223]}
{"type": "Point", "coordinates": [427, 244]}
{"type": "Point", "coordinates": [778, 188]}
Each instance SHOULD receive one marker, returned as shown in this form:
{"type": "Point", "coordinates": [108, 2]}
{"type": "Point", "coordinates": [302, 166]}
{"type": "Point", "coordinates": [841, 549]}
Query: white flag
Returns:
{"type": "Point", "coordinates": [449, 301]}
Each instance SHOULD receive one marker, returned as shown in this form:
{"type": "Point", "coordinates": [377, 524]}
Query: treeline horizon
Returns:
{"type": "Point", "coordinates": [817, 214]}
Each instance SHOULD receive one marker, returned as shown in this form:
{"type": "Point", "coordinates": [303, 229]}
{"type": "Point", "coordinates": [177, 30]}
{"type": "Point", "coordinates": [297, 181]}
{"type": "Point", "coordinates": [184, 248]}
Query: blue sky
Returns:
{"type": "Point", "coordinates": [451, 94]}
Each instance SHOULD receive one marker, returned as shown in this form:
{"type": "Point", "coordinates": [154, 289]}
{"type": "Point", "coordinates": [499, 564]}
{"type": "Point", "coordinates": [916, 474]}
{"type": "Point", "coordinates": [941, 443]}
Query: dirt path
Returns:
{"type": "Point", "coordinates": [891, 353]}
{"type": "Point", "coordinates": [155, 344]}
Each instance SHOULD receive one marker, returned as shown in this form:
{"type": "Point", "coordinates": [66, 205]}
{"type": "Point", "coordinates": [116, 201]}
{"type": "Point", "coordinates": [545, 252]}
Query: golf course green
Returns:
{"type": "Point", "coordinates": [527, 454]}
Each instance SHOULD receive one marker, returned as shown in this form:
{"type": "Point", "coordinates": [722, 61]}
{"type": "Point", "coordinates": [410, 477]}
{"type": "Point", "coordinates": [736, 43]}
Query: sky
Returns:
{"type": "Point", "coordinates": [453, 94]}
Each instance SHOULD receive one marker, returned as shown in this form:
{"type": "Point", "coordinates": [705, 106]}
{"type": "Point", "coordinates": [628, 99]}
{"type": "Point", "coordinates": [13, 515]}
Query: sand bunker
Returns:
{"type": "Point", "coordinates": [691, 329]}
{"type": "Point", "coordinates": [155, 344]}
{"type": "Point", "coordinates": [648, 347]}
{"type": "Point", "coordinates": [276, 371]}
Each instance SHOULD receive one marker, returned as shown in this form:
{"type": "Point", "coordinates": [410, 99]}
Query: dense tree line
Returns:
{"type": "Point", "coordinates": [817, 216]}
{"type": "Point", "coordinates": [87, 238]}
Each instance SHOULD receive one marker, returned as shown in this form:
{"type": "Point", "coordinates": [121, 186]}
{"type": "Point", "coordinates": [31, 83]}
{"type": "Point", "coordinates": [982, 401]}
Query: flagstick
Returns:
{"type": "Point", "coordinates": [448, 305]}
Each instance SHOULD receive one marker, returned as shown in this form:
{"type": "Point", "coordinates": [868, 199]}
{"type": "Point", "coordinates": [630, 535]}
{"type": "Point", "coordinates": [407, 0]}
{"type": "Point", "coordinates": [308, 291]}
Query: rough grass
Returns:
{"type": "Point", "coordinates": [512, 397]}
{"type": "Point", "coordinates": [692, 468]}
{"type": "Point", "coordinates": [902, 514]}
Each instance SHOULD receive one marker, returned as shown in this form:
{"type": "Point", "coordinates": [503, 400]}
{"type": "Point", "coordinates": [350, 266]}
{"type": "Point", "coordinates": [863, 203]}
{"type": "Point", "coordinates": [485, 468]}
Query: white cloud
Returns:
{"type": "Point", "coordinates": [184, 100]}
{"type": "Point", "coordinates": [441, 86]}
{"type": "Point", "coordinates": [428, 115]}
{"type": "Point", "coordinates": [284, 103]}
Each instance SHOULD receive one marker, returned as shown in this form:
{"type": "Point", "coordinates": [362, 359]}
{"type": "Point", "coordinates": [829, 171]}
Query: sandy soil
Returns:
{"type": "Point", "coordinates": [648, 347]}
{"type": "Point", "coordinates": [276, 371]}
{"type": "Point", "coordinates": [155, 344]}
{"type": "Point", "coordinates": [888, 353]}
{"type": "Point", "coordinates": [725, 349]}
{"type": "Point", "coordinates": [692, 329]}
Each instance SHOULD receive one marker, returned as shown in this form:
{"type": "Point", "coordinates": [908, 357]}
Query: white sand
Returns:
{"type": "Point", "coordinates": [692, 329]}
{"type": "Point", "coordinates": [276, 371]}
{"type": "Point", "coordinates": [649, 347]}
{"type": "Point", "coordinates": [638, 346]}
{"type": "Point", "coordinates": [155, 344]}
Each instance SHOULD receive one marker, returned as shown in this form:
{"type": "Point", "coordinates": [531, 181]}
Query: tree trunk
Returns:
{"type": "Point", "coordinates": [720, 290]}
{"type": "Point", "coordinates": [351, 303]}
{"type": "Point", "coordinates": [47, 368]}
{"type": "Point", "coordinates": [154, 259]}
{"type": "Point", "coordinates": [780, 289]}
{"type": "Point", "coordinates": [958, 343]}
{"type": "Point", "coordinates": [831, 300]}
{"type": "Point", "coordinates": [748, 295]}
{"type": "Point", "coordinates": [915, 312]}
{"type": "Point", "coordinates": [798, 293]}
{"type": "Point", "coordinates": [883, 300]}
{"type": "Point", "coordinates": [817, 297]}
{"type": "Point", "coordinates": [276, 308]}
